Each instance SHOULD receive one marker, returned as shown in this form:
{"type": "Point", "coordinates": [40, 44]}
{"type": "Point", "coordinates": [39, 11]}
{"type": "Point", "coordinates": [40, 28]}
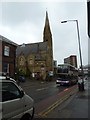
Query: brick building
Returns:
{"type": "Point", "coordinates": [7, 56]}
{"type": "Point", "coordinates": [37, 58]}
{"type": "Point", "coordinates": [72, 60]}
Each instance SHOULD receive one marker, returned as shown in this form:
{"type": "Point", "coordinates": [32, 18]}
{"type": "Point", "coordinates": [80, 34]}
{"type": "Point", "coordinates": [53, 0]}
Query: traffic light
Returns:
{"type": "Point", "coordinates": [88, 14]}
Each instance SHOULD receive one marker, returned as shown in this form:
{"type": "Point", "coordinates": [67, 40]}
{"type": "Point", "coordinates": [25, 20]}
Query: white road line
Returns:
{"type": "Point", "coordinates": [40, 89]}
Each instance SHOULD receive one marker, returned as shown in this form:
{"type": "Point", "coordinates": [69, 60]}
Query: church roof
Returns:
{"type": "Point", "coordinates": [32, 48]}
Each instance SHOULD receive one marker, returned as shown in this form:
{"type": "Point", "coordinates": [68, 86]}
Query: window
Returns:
{"type": "Point", "coordinates": [6, 51]}
{"type": "Point", "coordinates": [6, 67]}
{"type": "Point", "coordinates": [62, 69]}
{"type": "Point", "coordinates": [30, 61]}
{"type": "Point", "coordinates": [9, 91]}
{"type": "Point", "coordinates": [22, 61]}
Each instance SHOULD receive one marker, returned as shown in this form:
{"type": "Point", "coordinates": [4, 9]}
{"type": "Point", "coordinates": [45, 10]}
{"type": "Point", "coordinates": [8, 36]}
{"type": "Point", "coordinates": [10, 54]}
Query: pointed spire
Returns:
{"type": "Point", "coordinates": [47, 25]}
{"type": "Point", "coordinates": [47, 20]}
{"type": "Point", "coordinates": [47, 31]}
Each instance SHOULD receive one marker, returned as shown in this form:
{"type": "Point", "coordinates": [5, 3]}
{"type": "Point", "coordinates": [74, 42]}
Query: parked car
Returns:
{"type": "Point", "coordinates": [14, 102]}
{"type": "Point", "coordinates": [21, 78]}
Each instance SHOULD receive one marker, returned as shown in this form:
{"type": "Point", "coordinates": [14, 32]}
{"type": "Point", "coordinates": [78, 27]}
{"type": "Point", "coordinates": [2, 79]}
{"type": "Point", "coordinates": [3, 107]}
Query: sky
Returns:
{"type": "Point", "coordinates": [23, 22]}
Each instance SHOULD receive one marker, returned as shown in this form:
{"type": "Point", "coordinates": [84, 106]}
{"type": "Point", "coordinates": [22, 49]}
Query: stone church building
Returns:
{"type": "Point", "coordinates": [37, 58]}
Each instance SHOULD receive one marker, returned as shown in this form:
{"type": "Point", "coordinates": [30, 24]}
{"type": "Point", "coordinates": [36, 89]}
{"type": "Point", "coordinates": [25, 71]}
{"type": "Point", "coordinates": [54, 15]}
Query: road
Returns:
{"type": "Point", "coordinates": [46, 95]}
{"type": "Point", "coordinates": [40, 90]}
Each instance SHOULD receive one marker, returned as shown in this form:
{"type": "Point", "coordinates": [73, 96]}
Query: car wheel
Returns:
{"type": "Point", "coordinates": [26, 117]}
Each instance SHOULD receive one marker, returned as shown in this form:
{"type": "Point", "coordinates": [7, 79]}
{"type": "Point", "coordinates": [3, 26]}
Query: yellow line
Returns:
{"type": "Point", "coordinates": [59, 102]}
{"type": "Point", "coordinates": [54, 105]}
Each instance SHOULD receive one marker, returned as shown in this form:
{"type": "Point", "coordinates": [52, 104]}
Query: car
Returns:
{"type": "Point", "coordinates": [14, 102]}
{"type": "Point", "coordinates": [6, 77]}
{"type": "Point", "coordinates": [21, 78]}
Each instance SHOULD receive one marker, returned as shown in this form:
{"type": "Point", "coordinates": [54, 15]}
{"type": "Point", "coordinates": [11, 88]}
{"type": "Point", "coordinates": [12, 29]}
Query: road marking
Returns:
{"type": "Point", "coordinates": [54, 105]}
{"type": "Point", "coordinates": [42, 82]}
{"type": "Point", "coordinates": [40, 89]}
{"type": "Point", "coordinates": [66, 89]}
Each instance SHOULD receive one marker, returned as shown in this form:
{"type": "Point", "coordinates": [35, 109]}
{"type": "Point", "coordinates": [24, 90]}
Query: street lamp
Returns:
{"type": "Point", "coordinates": [79, 49]}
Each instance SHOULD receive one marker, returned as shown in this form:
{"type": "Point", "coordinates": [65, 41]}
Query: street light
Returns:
{"type": "Point", "coordinates": [79, 49]}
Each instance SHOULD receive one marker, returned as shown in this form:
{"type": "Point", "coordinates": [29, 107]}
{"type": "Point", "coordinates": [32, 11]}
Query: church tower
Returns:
{"type": "Point", "coordinates": [47, 37]}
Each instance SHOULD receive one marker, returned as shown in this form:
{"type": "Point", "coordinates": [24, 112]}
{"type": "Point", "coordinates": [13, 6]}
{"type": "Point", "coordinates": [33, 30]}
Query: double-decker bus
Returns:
{"type": "Point", "coordinates": [67, 74]}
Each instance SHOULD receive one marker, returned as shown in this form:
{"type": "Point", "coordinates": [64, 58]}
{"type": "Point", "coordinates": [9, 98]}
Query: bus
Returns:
{"type": "Point", "coordinates": [66, 74]}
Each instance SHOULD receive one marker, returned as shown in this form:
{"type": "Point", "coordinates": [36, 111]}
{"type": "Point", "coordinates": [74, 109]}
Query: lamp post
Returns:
{"type": "Point", "coordinates": [79, 49]}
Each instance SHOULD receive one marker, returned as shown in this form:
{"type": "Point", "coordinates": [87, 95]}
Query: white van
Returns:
{"type": "Point", "coordinates": [14, 103]}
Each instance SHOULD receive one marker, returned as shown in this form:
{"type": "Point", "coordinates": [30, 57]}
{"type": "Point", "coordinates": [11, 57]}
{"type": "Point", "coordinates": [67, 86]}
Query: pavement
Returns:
{"type": "Point", "coordinates": [72, 105]}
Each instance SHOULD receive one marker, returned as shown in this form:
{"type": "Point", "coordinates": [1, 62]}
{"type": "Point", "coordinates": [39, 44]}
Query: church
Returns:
{"type": "Point", "coordinates": [37, 58]}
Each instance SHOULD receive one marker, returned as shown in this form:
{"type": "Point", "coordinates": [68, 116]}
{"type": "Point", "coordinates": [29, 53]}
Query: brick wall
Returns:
{"type": "Point", "coordinates": [9, 60]}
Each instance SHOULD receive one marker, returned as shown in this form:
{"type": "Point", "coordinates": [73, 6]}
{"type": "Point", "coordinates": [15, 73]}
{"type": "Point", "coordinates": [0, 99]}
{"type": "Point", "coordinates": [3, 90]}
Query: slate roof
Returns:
{"type": "Point", "coordinates": [32, 48]}
{"type": "Point", "coordinates": [2, 38]}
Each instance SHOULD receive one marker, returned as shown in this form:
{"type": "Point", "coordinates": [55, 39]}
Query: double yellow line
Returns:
{"type": "Point", "coordinates": [54, 105]}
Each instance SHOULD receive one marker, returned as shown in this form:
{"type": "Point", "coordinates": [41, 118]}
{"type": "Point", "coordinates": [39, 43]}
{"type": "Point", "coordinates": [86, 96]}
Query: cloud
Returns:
{"type": "Point", "coordinates": [23, 22]}
{"type": "Point", "coordinates": [24, 32]}
{"type": "Point", "coordinates": [15, 13]}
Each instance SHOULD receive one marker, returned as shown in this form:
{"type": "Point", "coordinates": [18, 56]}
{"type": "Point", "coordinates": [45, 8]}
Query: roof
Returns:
{"type": "Point", "coordinates": [2, 38]}
{"type": "Point", "coordinates": [27, 49]}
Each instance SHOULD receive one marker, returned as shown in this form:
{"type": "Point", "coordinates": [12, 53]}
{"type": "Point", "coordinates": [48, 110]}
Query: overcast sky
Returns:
{"type": "Point", "coordinates": [23, 22]}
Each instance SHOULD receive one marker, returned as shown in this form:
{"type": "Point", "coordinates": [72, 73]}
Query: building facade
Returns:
{"type": "Point", "coordinates": [7, 56]}
{"type": "Point", "coordinates": [37, 58]}
{"type": "Point", "coordinates": [72, 60]}
{"type": "Point", "coordinates": [88, 17]}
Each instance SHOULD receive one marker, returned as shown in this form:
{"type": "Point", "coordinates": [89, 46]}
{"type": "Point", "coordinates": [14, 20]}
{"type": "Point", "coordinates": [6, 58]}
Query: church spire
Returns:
{"type": "Point", "coordinates": [47, 31]}
{"type": "Point", "coordinates": [47, 37]}
{"type": "Point", "coordinates": [47, 20]}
